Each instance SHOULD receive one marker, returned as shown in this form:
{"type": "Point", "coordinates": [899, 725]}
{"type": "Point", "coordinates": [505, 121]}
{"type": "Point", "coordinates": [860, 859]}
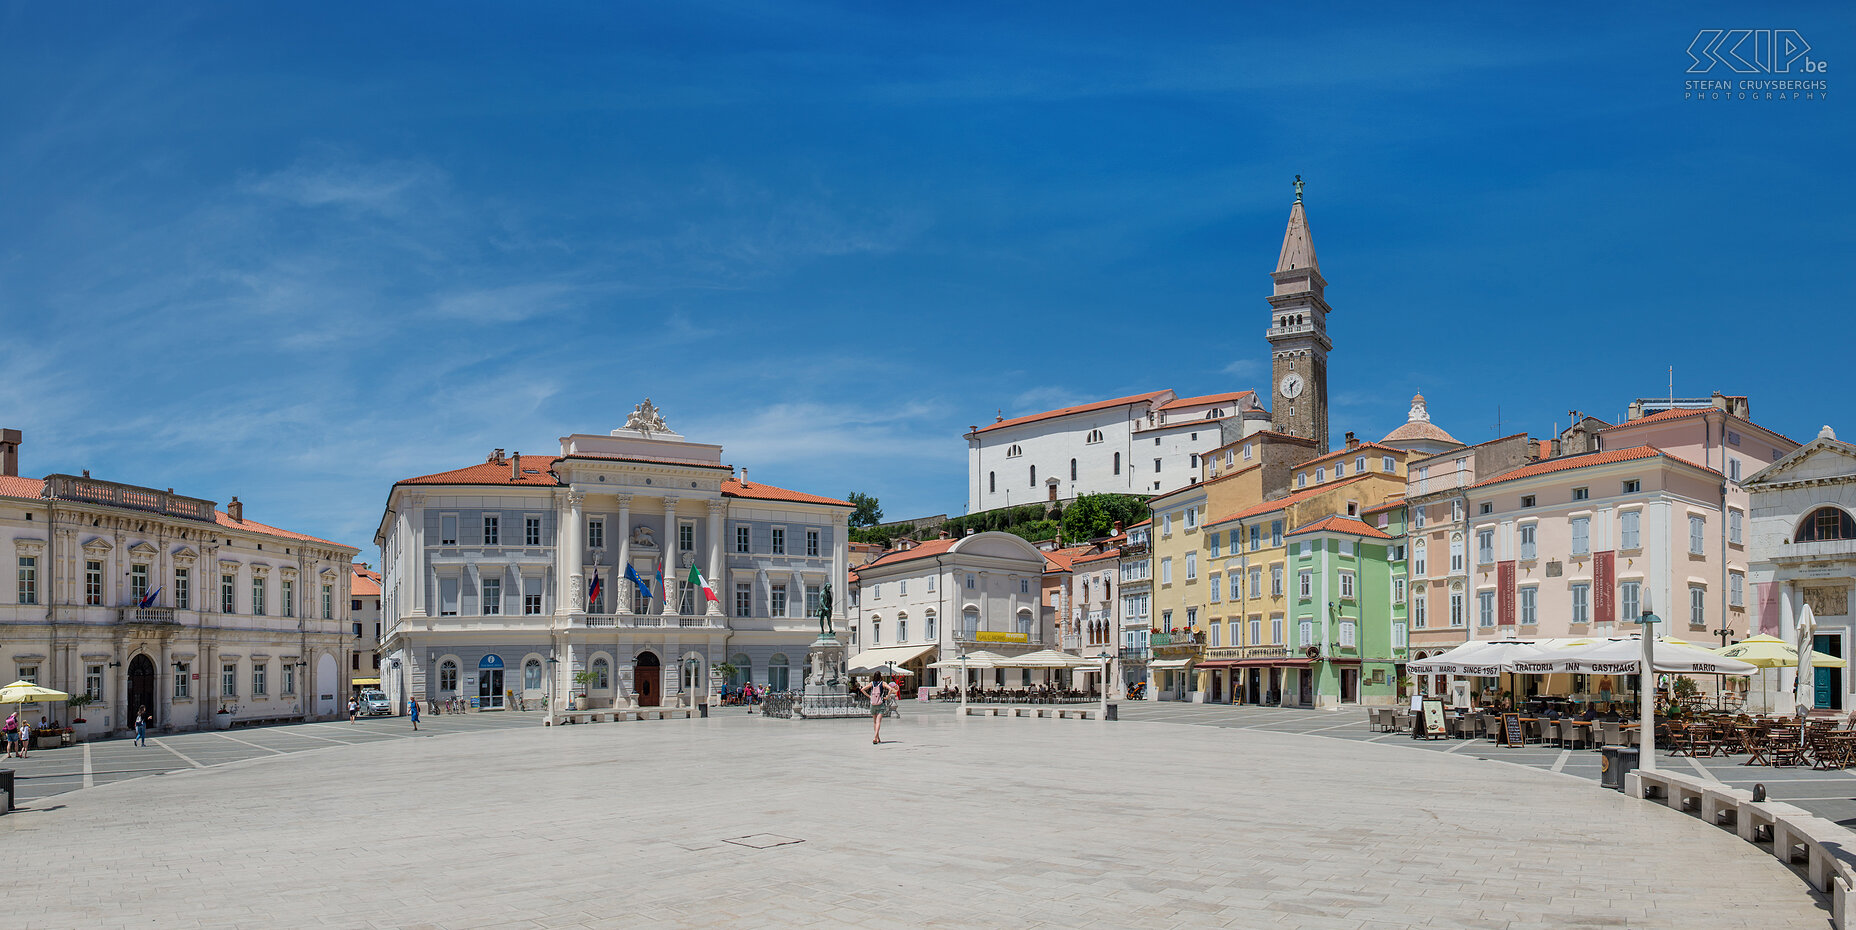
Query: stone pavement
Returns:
{"type": "Point", "coordinates": [741, 821]}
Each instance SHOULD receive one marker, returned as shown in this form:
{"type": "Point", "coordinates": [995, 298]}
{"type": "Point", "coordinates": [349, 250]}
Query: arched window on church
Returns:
{"type": "Point", "coordinates": [1072, 469]}
{"type": "Point", "coordinates": [1117, 463]}
{"type": "Point", "coordinates": [1826, 524]}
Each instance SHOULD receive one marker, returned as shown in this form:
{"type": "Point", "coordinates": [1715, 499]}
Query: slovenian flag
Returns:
{"type": "Point", "coordinates": [592, 594]}
{"type": "Point", "coordinates": [698, 581]}
{"type": "Point", "coordinates": [148, 600]}
{"type": "Point", "coordinates": [631, 575]}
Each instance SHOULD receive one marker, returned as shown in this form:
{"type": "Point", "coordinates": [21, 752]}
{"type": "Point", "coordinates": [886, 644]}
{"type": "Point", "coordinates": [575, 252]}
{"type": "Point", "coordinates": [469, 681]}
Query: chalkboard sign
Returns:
{"type": "Point", "coordinates": [1511, 731]}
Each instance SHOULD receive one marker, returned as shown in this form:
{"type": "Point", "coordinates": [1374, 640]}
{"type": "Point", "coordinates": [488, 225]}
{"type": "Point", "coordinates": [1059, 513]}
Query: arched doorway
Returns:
{"type": "Point", "coordinates": [142, 691]}
{"type": "Point", "coordinates": [648, 679]}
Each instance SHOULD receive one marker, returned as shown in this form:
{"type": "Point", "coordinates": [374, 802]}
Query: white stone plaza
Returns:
{"type": "Point", "coordinates": [487, 820]}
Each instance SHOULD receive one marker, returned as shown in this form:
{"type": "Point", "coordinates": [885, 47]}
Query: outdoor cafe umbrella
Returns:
{"type": "Point", "coordinates": [882, 668]}
{"type": "Point", "coordinates": [1625, 657]}
{"type": "Point", "coordinates": [1807, 633]}
{"type": "Point", "coordinates": [25, 692]}
{"type": "Point", "coordinates": [1767, 652]}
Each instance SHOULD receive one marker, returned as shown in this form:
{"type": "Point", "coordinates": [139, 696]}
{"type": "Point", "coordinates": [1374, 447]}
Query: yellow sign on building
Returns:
{"type": "Point", "coordinates": [986, 637]}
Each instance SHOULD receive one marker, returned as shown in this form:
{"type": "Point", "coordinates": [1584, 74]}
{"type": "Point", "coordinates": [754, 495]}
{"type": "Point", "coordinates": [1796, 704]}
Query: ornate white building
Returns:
{"type": "Point", "coordinates": [488, 572]}
{"type": "Point", "coordinates": [1804, 552]}
{"type": "Point", "coordinates": [140, 597]}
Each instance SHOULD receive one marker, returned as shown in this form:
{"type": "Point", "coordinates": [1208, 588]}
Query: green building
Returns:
{"type": "Point", "coordinates": [1348, 606]}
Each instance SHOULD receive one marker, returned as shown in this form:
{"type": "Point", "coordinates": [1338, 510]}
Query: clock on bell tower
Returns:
{"type": "Point", "coordinates": [1298, 334]}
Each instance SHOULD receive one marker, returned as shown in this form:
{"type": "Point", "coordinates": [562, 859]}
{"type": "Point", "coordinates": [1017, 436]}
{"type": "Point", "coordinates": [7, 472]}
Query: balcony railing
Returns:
{"type": "Point", "coordinates": [1072, 641]}
{"type": "Point", "coordinates": [90, 490]}
{"type": "Point", "coordinates": [1176, 639]}
{"type": "Point", "coordinates": [145, 615]}
{"type": "Point", "coordinates": [1134, 653]}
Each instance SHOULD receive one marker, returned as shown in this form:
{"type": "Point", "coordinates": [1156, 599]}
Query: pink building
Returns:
{"type": "Point", "coordinates": [1652, 518]}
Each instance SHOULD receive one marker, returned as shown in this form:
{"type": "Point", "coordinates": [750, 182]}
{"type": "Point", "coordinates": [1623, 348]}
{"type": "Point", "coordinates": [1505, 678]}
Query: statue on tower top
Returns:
{"type": "Point", "coordinates": [1298, 188]}
{"type": "Point", "coordinates": [646, 418]}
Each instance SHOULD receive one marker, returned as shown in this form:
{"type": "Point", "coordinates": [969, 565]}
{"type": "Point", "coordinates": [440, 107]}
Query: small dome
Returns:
{"type": "Point", "coordinates": [1418, 427]}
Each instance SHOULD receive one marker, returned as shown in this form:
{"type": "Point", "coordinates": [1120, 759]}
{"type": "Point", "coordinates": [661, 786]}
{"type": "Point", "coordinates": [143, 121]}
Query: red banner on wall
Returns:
{"type": "Point", "coordinates": [1604, 587]}
{"type": "Point", "coordinates": [1504, 597]}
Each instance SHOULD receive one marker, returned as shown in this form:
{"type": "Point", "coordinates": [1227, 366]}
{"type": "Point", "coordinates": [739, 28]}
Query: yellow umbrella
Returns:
{"type": "Point", "coordinates": [25, 692]}
{"type": "Point", "coordinates": [1772, 652]}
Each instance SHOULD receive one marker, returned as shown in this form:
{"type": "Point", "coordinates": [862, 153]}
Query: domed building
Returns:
{"type": "Point", "coordinates": [1419, 436]}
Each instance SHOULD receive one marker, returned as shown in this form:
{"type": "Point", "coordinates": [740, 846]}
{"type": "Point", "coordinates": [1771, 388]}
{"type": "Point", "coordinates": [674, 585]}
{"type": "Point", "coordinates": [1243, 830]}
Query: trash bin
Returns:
{"type": "Point", "coordinates": [702, 707]}
{"type": "Point", "coordinates": [1111, 712]}
{"type": "Point", "coordinates": [6, 786]}
{"type": "Point", "coordinates": [1619, 761]}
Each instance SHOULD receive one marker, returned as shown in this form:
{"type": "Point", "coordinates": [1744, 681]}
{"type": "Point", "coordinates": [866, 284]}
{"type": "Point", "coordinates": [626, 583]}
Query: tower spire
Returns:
{"type": "Point", "coordinates": [1298, 333]}
{"type": "Point", "coordinates": [1298, 247]}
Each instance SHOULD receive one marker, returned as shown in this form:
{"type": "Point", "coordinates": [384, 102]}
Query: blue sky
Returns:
{"type": "Point", "coordinates": [296, 253]}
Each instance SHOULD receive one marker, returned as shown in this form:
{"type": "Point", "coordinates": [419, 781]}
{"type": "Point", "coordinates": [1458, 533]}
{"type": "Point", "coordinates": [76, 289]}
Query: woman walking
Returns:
{"type": "Point", "coordinates": [878, 695]}
{"type": "Point", "coordinates": [412, 705]}
{"type": "Point", "coordinates": [141, 727]}
{"type": "Point", "coordinates": [12, 733]}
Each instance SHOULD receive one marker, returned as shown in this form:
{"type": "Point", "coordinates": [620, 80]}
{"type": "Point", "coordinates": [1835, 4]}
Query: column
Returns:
{"type": "Point", "coordinates": [985, 600]}
{"type": "Point", "coordinates": [622, 588]}
{"type": "Point", "coordinates": [164, 685]}
{"type": "Point", "coordinates": [571, 558]}
{"type": "Point", "coordinates": [668, 546]}
{"type": "Point", "coordinates": [412, 557]}
{"type": "Point", "coordinates": [716, 576]}
{"type": "Point", "coordinates": [841, 569]}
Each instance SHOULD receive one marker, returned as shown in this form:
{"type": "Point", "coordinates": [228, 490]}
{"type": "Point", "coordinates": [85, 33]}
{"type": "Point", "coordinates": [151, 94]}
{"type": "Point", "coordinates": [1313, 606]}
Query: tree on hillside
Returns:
{"type": "Point", "coordinates": [868, 512]}
{"type": "Point", "coordinates": [1094, 515]}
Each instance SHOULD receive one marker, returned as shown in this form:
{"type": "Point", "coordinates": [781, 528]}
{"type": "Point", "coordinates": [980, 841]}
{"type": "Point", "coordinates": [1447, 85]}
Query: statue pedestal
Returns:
{"type": "Point", "coordinates": [826, 693]}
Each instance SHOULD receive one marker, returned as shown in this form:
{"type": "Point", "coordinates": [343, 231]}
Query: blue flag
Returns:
{"type": "Point", "coordinates": [631, 575]}
{"type": "Point", "coordinates": [148, 600]}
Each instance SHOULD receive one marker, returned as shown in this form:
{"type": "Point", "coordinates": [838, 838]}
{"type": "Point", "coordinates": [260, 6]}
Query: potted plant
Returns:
{"type": "Point", "coordinates": [582, 680]}
{"type": "Point", "coordinates": [223, 719]}
{"type": "Point", "coordinates": [77, 703]}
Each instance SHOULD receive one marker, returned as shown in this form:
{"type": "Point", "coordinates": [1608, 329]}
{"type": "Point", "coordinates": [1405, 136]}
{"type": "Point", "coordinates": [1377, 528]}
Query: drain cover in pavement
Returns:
{"type": "Point", "coordinates": [763, 841]}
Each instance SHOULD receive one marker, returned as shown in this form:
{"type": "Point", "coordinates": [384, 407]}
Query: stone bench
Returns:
{"type": "Point", "coordinates": [1059, 713]}
{"type": "Point", "coordinates": [1822, 846]}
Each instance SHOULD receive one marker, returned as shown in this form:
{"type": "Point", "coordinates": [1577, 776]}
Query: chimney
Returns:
{"type": "Point", "coordinates": [744, 476]}
{"type": "Point", "coordinates": [944, 535]}
{"type": "Point", "coordinates": [236, 510]}
{"type": "Point", "coordinates": [515, 467]}
{"type": "Point", "coordinates": [1117, 528]}
{"type": "Point", "coordinates": [496, 457]}
{"type": "Point", "coordinates": [1352, 443]}
{"type": "Point", "coordinates": [9, 452]}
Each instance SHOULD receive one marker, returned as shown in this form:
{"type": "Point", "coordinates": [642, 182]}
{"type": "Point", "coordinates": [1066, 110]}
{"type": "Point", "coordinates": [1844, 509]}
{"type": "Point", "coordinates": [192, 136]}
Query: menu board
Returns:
{"type": "Point", "coordinates": [1511, 731]}
{"type": "Point", "coordinates": [1434, 719]}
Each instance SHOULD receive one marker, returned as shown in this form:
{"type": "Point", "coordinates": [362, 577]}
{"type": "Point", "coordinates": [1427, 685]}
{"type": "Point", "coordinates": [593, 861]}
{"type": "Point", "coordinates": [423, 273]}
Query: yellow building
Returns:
{"type": "Point", "coordinates": [1250, 654]}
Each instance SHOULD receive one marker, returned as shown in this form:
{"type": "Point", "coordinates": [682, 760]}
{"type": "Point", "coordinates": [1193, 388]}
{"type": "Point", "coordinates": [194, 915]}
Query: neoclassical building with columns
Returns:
{"type": "Point", "coordinates": [508, 578]}
{"type": "Point", "coordinates": [143, 598]}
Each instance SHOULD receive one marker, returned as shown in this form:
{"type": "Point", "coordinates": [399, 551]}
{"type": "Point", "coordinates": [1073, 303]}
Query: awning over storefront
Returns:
{"type": "Point", "coordinates": [1164, 664]}
{"type": "Point", "coordinates": [887, 655]}
{"type": "Point", "coordinates": [1273, 663]}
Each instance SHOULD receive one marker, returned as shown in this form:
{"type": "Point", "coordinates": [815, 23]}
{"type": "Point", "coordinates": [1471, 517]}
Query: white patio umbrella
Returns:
{"type": "Point", "coordinates": [1625, 657]}
{"type": "Point", "coordinates": [1807, 635]}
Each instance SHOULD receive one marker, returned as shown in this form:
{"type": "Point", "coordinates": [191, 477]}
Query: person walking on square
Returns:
{"type": "Point", "coordinates": [879, 701]}
{"type": "Point", "coordinates": [351, 710]}
{"type": "Point", "coordinates": [25, 738]}
{"type": "Point", "coordinates": [412, 706]}
{"type": "Point", "coordinates": [12, 734]}
{"type": "Point", "coordinates": [141, 727]}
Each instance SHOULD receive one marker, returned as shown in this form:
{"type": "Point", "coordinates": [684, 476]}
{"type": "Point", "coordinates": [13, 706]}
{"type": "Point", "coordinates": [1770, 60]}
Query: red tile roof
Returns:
{"type": "Point", "coordinates": [252, 526]}
{"type": "Point", "coordinates": [1393, 503]}
{"type": "Point", "coordinates": [1568, 462]}
{"type": "Point", "coordinates": [1296, 498]}
{"type": "Point", "coordinates": [1107, 554]}
{"type": "Point", "coordinates": [932, 547]}
{"type": "Point", "coordinates": [366, 583]}
{"type": "Point", "coordinates": [11, 486]}
{"type": "Point", "coordinates": [1205, 399]}
{"type": "Point", "coordinates": [1681, 413]}
{"type": "Point", "coordinates": [1357, 450]}
{"type": "Point", "coordinates": [1059, 560]}
{"type": "Point", "coordinates": [767, 492]}
{"type": "Point", "coordinates": [1066, 411]}
{"type": "Point", "coordinates": [537, 470]}
{"type": "Point", "coordinates": [1340, 524]}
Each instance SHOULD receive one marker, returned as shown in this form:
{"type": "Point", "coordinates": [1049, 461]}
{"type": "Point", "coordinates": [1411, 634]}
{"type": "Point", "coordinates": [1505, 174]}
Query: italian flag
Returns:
{"type": "Point", "coordinates": [698, 581]}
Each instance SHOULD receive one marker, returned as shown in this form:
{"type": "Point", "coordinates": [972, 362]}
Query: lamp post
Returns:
{"type": "Point", "coordinates": [963, 682]}
{"type": "Point", "coordinates": [553, 662]}
{"type": "Point", "coordinates": [1104, 657]}
{"type": "Point", "coordinates": [1646, 690]}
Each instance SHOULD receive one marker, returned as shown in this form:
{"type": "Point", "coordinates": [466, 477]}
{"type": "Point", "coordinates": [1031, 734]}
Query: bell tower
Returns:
{"type": "Point", "coordinates": [1298, 334]}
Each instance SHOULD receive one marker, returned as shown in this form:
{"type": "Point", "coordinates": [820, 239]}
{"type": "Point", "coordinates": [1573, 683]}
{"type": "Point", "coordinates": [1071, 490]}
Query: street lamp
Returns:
{"type": "Point", "coordinates": [963, 681]}
{"type": "Point", "coordinates": [1646, 690]}
{"type": "Point", "coordinates": [1104, 657]}
{"type": "Point", "coordinates": [552, 671]}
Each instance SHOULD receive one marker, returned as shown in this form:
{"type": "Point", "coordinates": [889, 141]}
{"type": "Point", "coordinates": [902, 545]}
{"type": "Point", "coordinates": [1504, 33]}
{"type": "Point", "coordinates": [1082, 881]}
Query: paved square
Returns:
{"type": "Point", "coordinates": [952, 823]}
